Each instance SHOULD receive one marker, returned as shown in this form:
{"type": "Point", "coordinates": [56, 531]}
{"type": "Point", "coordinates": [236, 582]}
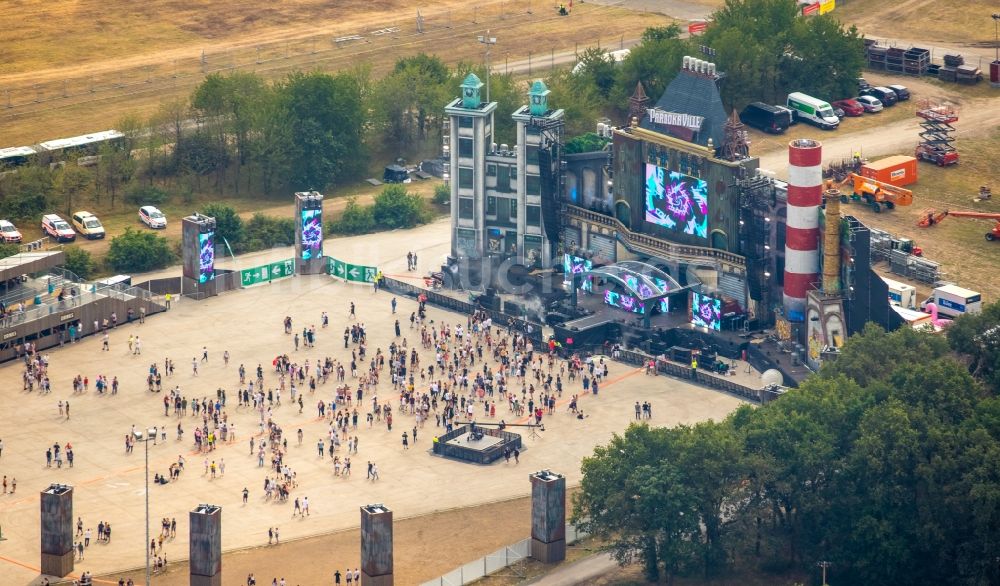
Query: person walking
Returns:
{"type": "Point", "coordinates": [393, 303]}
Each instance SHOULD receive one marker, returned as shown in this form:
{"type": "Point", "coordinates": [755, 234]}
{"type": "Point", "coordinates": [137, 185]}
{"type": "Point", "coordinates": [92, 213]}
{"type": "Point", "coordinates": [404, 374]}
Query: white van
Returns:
{"type": "Point", "coordinates": [814, 111]}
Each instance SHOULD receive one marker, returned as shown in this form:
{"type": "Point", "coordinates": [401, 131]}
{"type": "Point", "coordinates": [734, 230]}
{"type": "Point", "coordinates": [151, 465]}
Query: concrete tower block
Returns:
{"type": "Point", "coordinates": [57, 530]}
{"type": "Point", "coordinates": [376, 546]}
{"type": "Point", "coordinates": [548, 516]}
{"type": "Point", "coordinates": [206, 545]}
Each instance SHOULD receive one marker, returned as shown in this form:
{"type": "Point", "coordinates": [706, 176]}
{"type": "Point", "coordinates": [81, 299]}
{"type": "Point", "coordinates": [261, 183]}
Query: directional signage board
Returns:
{"type": "Point", "coordinates": [268, 272]}
{"type": "Point", "coordinates": [351, 273]}
{"type": "Point", "coordinates": [338, 268]}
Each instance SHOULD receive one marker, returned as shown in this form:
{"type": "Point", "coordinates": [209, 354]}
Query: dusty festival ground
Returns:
{"type": "Point", "coordinates": [109, 484]}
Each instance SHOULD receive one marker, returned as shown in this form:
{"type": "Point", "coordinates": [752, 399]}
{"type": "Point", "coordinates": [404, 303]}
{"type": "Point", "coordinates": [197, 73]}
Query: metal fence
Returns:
{"type": "Point", "coordinates": [509, 556]}
{"type": "Point", "coordinates": [532, 330]}
{"type": "Point", "coordinates": [676, 369]}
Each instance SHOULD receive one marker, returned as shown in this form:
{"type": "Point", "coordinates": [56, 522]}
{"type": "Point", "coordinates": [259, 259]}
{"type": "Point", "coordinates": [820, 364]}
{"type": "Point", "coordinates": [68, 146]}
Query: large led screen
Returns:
{"type": "Point", "coordinates": [676, 201]}
{"type": "Point", "coordinates": [575, 265]}
{"type": "Point", "coordinates": [638, 285]}
{"type": "Point", "coordinates": [206, 257]}
{"type": "Point", "coordinates": [312, 234]}
{"type": "Point", "coordinates": [706, 311]}
{"type": "Point", "coordinates": [626, 302]}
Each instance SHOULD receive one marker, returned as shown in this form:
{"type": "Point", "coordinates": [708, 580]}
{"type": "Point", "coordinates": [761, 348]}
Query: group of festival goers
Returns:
{"type": "Point", "coordinates": [433, 372]}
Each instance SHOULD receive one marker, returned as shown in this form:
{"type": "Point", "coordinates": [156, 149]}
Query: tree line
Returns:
{"type": "Point", "coordinates": [886, 463]}
{"type": "Point", "coordinates": [764, 47]}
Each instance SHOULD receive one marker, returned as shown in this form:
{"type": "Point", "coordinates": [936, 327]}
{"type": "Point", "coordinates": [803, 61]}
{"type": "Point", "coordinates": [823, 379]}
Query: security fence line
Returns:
{"type": "Point", "coordinates": [505, 557]}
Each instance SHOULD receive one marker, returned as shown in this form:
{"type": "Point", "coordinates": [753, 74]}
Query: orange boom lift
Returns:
{"type": "Point", "coordinates": [931, 217]}
{"type": "Point", "coordinates": [876, 193]}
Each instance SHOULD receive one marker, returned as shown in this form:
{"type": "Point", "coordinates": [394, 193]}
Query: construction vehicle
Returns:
{"type": "Point", "coordinates": [876, 193]}
{"type": "Point", "coordinates": [932, 217]}
{"type": "Point", "coordinates": [936, 137]}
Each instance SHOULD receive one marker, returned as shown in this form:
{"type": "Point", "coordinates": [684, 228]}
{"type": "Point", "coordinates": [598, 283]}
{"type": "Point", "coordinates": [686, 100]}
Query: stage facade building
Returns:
{"type": "Point", "coordinates": [504, 199]}
{"type": "Point", "coordinates": [680, 199]}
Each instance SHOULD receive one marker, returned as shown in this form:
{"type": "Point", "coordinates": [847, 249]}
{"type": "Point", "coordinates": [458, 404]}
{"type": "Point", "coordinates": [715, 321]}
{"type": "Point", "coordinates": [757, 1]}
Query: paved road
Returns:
{"type": "Point", "coordinates": [579, 572]}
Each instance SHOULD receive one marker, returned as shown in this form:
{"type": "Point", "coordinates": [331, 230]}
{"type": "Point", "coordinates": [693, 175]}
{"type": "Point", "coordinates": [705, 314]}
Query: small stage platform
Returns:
{"type": "Point", "coordinates": [467, 440]}
{"type": "Point", "coordinates": [487, 447]}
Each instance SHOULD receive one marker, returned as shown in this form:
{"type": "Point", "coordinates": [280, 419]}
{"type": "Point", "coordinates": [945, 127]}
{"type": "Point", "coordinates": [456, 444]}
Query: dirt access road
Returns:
{"type": "Point", "coordinates": [977, 116]}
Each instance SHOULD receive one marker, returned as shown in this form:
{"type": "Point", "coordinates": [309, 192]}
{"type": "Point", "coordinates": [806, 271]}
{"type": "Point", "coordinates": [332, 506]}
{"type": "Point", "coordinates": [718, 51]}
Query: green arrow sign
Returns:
{"type": "Point", "coordinates": [338, 268]}
{"type": "Point", "coordinates": [268, 272]}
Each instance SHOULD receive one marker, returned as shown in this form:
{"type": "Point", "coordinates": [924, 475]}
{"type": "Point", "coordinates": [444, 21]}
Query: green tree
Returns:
{"type": "Point", "coordinates": [26, 193]}
{"type": "Point", "coordinates": [263, 232]}
{"type": "Point", "coordinates": [585, 143]}
{"type": "Point", "coordinates": [597, 68]}
{"type": "Point", "coordinates": [654, 62]}
{"type": "Point", "coordinates": [410, 98]}
{"type": "Point", "coordinates": [356, 219]}
{"type": "Point", "coordinates": [634, 495]}
{"type": "Point", "coordinates": [139, 251]}
{"type": "Point", "coordinates": [325, 118]}
{"type": "Point", "coordinates": [74, 182]}
{"type": "Point", "coordinates": [79, 261]}
{"type": "Point", "coordinates": [114, 169]}
{"type": "Point", "coordinates": [395, 207]}
{"type": "Point", "coordinates": [9, 250]}
{"type": "Point", "coordinates": [977, 337]}
{"type": "Point", "coordinates": [580, 101]}
{"type": "Point", "coordinates": [442, 194]}
{"type": "Point", "coordinates": [228, 224]}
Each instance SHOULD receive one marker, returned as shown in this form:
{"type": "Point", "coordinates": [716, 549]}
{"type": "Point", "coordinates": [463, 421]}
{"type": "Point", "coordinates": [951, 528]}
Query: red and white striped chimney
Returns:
{"type": "Point", "coordinates": [805, 193]}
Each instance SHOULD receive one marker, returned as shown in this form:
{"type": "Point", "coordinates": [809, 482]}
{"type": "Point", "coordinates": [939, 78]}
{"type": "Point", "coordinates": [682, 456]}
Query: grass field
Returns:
{"type": "Point", "coordinates": [957, 243]}
{"type": "Point", "coordinates": [64, 101]}
{"type": "Point", "coordinates": [967, 22]}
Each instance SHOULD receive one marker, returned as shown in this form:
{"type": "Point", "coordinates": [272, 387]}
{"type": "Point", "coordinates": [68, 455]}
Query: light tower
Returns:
{"type": "Point", "coordinates": [805, 193]}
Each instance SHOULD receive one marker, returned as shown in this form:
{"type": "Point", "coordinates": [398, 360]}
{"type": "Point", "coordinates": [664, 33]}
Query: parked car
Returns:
{"type": "Point", "coordinates": [772, 119]}
{"type": "Point", "coordinates": [87, 224]}
{"type": "Point", "coordinates": [9, 233]}
{"type": "Point", "coordinates": [850, 106]}
{"type": "Point", "coordinates": [870, 104]}
{"type": "Point", "coordinates": [152, 217]}
{"type": "Point", "coordinates": [884, 95]}
{"type": "Point", "coordinates": [58, 228]}
{"type": "Point", "coordinates": [863, 84]}
{"type": "Point", "coordinates": [838, 112]}
{"type": "Point", "coordinates": [902, 94]}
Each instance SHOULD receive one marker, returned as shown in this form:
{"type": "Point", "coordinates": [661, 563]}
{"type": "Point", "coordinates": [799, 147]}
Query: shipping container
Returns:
{"type": "Point", "coordinates": [898, 170]}
{"type": "Point", "coordinates": [953, 301]}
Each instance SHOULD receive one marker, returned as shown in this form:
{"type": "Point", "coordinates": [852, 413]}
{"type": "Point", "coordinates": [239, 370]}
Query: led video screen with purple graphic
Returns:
{"type": "Point", "coordinates": [706, 311]}
{"type": "Point", "coordinates": [312, 234]}
{"type": "Point", "coordinates": [640, 286]}
{"type": "Point", "coordinates": [206, 257]}
{"type": "Point", "coordinates": [676, 201]}
{"type": "Point", "coordinates": [575, 265]}
{"type": "Point", "coordinates": [621, 301]}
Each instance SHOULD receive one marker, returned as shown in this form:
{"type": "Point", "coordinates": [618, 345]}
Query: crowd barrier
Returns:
{"type": "Point", "coordinates": [532, 330]}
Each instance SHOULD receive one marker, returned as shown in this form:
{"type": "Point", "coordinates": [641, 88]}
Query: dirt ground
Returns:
{"type": "Point", "coordinates": [966, 23]}
{"type": "Point", "coordinates": [59, 101]}
{"type": "Point", "coordinates": [424, 547]}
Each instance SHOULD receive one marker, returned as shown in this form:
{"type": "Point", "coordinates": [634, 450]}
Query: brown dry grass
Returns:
{"type": "Point", "coordinates": [450, 34]}
{"type": "Point", "coordinates": [965, 22]}
{"type": "Point", "coordinates": [957, 243]}
{"type": "Point", "coordinates": [424, 547]}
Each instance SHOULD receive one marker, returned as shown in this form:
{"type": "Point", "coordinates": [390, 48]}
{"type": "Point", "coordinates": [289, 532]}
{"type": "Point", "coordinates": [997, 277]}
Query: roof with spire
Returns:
{"type": "Point", "coordinates": [690, 108]}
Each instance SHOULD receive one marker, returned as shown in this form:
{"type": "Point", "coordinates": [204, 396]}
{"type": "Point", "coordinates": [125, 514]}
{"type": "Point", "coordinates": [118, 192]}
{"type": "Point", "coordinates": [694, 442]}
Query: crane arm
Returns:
{"type": "Point", "coordinates": [980, 215]}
